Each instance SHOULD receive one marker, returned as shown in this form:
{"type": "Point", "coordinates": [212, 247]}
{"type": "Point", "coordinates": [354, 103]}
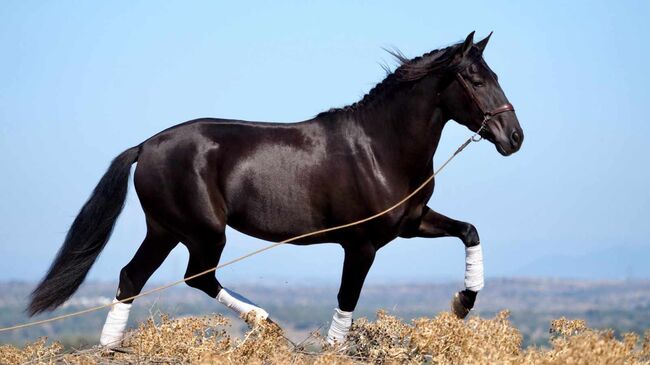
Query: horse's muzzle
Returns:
{"type": "Point", "coordinates": [507, 140]}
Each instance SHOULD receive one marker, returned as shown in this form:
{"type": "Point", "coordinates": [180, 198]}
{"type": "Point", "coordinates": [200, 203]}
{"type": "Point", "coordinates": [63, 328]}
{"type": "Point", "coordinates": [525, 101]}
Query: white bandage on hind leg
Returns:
{"type": "Point", "coordinates": [240, 304]}
{"type": "Point", "coordinates": [113, 330]}
{"type": "Point", "coordinates": [474, 268]}
{"type": "Point", "coordinates": [341, 323]}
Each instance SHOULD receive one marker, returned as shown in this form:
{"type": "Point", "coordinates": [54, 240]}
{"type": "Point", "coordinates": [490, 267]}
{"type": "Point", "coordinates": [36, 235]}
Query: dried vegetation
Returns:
{"type": "Point", "coordinates": [387, 340]}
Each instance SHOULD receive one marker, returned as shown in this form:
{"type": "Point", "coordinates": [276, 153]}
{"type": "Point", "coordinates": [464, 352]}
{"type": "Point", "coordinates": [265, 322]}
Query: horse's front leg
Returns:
{"type": "Point", "coordinates": [358, 260]}
{"type": "Point", "coordinates": [433, 225]}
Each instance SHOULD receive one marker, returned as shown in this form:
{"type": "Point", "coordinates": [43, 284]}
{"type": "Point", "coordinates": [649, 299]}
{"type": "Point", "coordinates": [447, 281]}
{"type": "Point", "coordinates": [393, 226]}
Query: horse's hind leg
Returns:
{"type": "Point", "coordinates": [154, 249]}
{"type": "Point", "coordinates": [205, 252]}
{"type": "Point", "coordinates": [204, 255]}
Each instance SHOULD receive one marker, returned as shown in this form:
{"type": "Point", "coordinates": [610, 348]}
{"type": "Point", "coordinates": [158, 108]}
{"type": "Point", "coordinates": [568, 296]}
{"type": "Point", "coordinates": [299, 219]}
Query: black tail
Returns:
{"type": "Point", "coordinates": [87, 236]}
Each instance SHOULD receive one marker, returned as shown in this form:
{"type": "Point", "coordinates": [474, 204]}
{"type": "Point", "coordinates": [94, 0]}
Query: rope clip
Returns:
{"type": "Point", "coordinates": [477, 136]}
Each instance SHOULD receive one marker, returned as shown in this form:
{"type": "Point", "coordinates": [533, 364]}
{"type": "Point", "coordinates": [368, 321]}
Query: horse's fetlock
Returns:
{"type": "Point", "coordinates": [126, 288]}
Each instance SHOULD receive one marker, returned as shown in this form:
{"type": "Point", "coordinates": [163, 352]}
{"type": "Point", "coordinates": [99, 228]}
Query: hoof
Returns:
{"type": "Point", "coordinates": [458, 308]}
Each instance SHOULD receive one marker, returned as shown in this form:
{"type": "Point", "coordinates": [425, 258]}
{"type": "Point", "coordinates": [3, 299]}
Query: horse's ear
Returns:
{"type": "Point", "coordinates": [467, 45]}
{"type": "Point", "coordinates": [481, 44]}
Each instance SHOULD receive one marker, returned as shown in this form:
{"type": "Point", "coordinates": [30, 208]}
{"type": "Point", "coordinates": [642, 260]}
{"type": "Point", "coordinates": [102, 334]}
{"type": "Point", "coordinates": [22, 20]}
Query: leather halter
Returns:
{"type": "Point", "coordinates": [487, 113]}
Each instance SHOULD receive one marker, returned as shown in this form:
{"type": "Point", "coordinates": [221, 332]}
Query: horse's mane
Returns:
{"type": "Point", "coordinates": [408, 71]}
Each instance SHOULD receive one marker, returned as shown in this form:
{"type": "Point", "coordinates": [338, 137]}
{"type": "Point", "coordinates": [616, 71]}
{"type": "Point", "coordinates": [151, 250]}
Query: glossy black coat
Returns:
{"type": "Point", "coordinates": [278, 180]}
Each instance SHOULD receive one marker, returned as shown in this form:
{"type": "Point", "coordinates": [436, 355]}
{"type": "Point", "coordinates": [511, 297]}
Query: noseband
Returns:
{"type": "Point", "coordinates": [487, 113]}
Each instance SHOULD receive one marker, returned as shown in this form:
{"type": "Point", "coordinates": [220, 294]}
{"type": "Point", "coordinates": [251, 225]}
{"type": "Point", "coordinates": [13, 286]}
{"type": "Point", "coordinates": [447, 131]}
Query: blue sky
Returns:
{"type": "Point", "coordinates": [82, 81]}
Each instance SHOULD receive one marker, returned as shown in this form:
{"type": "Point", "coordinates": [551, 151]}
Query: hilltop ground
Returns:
{"type": "Point", "coordinates": [623, 306]}
{"type": "Point", "coordinates": [440, 340]}
{"type": "Point", "coordinates": [414, 328]}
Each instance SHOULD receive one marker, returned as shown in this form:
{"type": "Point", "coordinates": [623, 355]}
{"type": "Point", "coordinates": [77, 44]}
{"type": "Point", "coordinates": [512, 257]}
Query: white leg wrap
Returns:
{"type": "Point", "coordinates": [240, 304]}
{"type": "Point", "coordinates": [340, 327]}
{"type": "Point", "coordinates": [474, 268]}
{"type": "Point", "coordinates": [113, 330]}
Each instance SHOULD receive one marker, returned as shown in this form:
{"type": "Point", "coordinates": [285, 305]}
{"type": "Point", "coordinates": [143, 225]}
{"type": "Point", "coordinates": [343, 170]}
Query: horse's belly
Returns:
{"type": "Point", "coordinates": [274, 211]}
{"type": "Point", "coordinates": [275, 195]}
{"type": "Point", "coordinates": [279, 226]}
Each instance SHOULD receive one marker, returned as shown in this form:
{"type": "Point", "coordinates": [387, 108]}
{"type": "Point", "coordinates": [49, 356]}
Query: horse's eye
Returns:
{"type": "Point", "coordinates": [475, 80]}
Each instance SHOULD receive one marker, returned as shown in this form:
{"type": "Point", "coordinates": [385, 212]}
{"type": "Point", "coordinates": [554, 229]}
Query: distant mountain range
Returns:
{"type": "Point", "coordinates": [618, 263]}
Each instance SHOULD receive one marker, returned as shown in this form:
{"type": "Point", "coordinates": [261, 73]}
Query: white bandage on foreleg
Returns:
{"type": "Point", "coordinates": [113, 330]}
{"type": "Point", "coordinates": [240, 304]}
{"type": "Point", "coordinates": [341, 323]}
{"type": "Point", "coordinates": [474, 268]}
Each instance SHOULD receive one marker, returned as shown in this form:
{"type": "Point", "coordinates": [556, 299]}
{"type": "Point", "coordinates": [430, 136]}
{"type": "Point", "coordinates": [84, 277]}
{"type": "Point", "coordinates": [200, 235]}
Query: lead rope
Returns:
{"type": "Point", "coordinates": [476, 137]}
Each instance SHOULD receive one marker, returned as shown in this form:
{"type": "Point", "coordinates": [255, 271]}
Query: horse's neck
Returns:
{"type": "Point", "coordinates": [406, 130]}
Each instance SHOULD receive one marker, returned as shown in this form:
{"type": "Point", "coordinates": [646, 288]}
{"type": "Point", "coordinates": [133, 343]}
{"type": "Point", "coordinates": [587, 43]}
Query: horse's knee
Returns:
{"type": "Point", "coordinates": [470, 236]}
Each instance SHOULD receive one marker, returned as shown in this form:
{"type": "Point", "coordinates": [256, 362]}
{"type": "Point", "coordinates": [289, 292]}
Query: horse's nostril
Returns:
{"type": "Point", "coordinates": [516, 138]}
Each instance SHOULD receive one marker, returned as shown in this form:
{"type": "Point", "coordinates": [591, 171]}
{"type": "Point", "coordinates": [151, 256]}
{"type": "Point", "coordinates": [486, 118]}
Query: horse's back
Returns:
{"type": "Point", "coordinates": [269, 180]}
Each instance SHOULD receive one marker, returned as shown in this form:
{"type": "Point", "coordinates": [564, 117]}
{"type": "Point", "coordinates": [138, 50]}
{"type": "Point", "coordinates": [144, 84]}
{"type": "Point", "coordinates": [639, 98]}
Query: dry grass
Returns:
{"type": "Point", "coordinates": [387, 340]}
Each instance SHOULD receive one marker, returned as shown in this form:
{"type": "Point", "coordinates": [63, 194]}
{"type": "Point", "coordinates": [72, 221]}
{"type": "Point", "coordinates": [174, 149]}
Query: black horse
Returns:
{"type": "Point", "coordinates": [277, 180]}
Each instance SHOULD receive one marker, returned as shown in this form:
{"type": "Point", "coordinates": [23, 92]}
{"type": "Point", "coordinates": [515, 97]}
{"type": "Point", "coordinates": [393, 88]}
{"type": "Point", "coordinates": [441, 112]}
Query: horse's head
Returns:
{"type": "Point", "coordinates": [474, 99]}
